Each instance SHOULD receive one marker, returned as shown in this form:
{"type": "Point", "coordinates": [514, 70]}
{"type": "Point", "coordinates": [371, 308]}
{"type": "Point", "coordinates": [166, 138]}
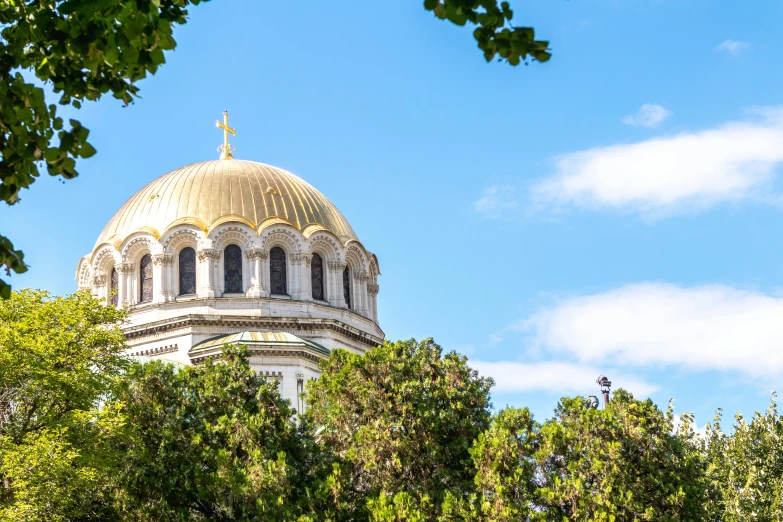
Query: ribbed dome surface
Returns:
{"type": "Point", "coordinates": [212, 192]}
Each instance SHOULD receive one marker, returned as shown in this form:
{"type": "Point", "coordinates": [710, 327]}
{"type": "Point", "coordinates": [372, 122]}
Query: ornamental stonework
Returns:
{"type": "Point", "coordinates": [337, 266]}
{"type": "Point", "coordinates": [298, 258]}
{"type": "Point", "coordinates": [253, 254]}
{"type": "Point", "coordinates": [163, 259]}
{"type": "Point", "coordinates": [208, 253]}
{"type": "Point", "coordinates": [124, 268]}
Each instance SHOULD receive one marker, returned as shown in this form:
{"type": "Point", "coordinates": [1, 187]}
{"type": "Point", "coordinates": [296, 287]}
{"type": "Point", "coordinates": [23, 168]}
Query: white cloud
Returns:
{"type": "Point", "coordinates": [665, 175]}
{"type": "Point", "coordinates": [652, 324]}
{"type": "Point", "coordinates": [648, 115]}
{"type": "Point", "coordinates": [496, 200]}
{"type": "Point", "coordinates": [557, 377]}
{"type": "Point", "coordinates": [732, 47]}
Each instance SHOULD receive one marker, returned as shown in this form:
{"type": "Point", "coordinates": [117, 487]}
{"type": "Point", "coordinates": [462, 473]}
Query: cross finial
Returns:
{"type": "Point", "coordinates": [226, 150]}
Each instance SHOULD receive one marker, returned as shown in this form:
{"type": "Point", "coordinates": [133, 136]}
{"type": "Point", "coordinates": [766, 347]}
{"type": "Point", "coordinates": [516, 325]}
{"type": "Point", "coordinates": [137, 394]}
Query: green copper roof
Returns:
{"type": "Point", "coordinates": [258, 339]}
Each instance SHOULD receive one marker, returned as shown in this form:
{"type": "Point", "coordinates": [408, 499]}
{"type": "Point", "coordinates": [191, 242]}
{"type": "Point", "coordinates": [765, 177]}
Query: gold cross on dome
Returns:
{"type": "Point", "coordinates": [225, 150]}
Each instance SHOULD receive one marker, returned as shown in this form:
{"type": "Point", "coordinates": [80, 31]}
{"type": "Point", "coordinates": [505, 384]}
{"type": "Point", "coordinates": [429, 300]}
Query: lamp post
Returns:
{"type": "Point", "coordinates": [606, 386]}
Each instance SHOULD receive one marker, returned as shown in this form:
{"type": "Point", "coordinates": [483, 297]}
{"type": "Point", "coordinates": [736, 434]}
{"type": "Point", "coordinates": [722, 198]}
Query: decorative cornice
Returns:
{"type": "Point", "coordinates": [252, 323]}
{"type": "Point", "coordinates": [208, 253]}
{"type": "Point", "coordinates": [156, 351]}
{"type": "Point", "coordinates": [256, 253]}
{"type": "Point", "coordinates": [163, 259]}
{"type": "Point", "coordinates": [302, 354]}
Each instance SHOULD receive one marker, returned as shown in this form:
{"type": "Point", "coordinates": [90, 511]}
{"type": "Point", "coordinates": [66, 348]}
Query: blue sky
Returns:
{"type": "Point", "coordinates": [616, 210]}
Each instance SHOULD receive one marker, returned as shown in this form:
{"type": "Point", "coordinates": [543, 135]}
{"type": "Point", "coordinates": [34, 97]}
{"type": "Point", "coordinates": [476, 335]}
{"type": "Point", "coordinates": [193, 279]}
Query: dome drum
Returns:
{"type": "Point", "coordinates": [237, 252]}
{"type": "Point", "coordinates": [218, 244]}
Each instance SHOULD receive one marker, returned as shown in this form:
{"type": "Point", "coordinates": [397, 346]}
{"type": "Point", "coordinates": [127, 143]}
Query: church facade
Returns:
{"type": "Point", "coordinates": [234, 251]}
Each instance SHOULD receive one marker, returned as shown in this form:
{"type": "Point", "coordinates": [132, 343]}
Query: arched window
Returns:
{"type": "Point", "coordinates": [347, 287]}
{"type": "Point", "coordinates": [145, 279]}
{"type": "Point", "coordinates": [277, 271]}
{"type": "Point", "coordinates": [114, 285]}
{"type": "Point", "coordinates": [232, 269]}
{"type": "Point", "coordinates": [317, 277]}
{"type": "Point", "coordinates": [187, 271]}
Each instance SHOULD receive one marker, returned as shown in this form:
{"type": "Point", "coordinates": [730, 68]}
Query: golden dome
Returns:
{"type": "Point", "coordinates": [209, 193]}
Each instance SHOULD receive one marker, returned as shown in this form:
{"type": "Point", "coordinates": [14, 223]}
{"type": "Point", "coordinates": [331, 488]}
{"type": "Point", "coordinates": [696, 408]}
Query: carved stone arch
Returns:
{"type": "Point", "coordinates": [374, 269]}
{"type": "Point", "coordinates": [84, 273]}
{"type": "Point", "coordinates": [185, 236]}
{"type": "Point", "coordinates": [325, 245]}
{"type": "Point", "coordinates": [356, 258]}
{"type": "Point", "coordinates": [283, 237]}
{"type": "Point", "coordinates": [104, 260]}
{"type": "Point", "coordinates": [136, 246]}
{"type": "Point", "coordinates": [238, 234]}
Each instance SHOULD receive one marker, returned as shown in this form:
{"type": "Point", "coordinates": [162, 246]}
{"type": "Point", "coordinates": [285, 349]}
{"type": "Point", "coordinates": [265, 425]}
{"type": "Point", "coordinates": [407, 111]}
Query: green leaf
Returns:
{"type": "Point", "coordinates": [86, 150]}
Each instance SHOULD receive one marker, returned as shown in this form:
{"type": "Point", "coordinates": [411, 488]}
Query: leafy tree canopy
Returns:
{"type": "Point", "coordinates": [59, 358]}
{"type": "Point", "coordinates": [623, 462]}
{"type": "Point", "coordinates": [745, 472]}
{"type": "Point", "coordinates": [400, 421]}
{"type": "Point", "coordinates": [211, 442]}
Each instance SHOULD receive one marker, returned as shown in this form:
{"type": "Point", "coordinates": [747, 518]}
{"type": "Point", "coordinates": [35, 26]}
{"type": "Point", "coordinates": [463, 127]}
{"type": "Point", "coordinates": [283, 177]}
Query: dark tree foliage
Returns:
{"type": "Point", "coordinates": [624, 462]}
{"type": "Point", "coordinates": [494, 33]}
{"type": "Point", "coordinates": [211, 442]}
{"type": "Point", "coordinates": [400, 420]}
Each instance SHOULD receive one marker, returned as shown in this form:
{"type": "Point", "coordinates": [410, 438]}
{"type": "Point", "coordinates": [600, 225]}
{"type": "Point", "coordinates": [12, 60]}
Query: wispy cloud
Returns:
{"type": "Point", "coordinates": [648, 115]}
{"type": "Point", "coordinates": [732, 47]}
{"type": "Point", "coordinates": [661, 325]}
{"type": "Point", "coordinates": [556, 377]}
{"type": "Point", "coordinates": [496, 201]}
{"type": "Point", "coordinates": [666, 175]}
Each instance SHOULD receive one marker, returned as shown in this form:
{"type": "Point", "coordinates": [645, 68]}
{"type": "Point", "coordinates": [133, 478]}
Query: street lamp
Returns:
{"type": "Point", "coordinates": [606, 386]}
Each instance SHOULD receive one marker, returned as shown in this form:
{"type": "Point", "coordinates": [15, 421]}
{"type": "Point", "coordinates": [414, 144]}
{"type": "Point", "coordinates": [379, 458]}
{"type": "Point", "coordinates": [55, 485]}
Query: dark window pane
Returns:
{"type": "Point", "coordinates": [146, 279]}
{"type": "Point", "coordinates": [317, 276]}
{"type": "Point", "coordinates": [277, 271]}
{"type": "Point", "coordinates": [232, 269]}
{"type": "Point", "coordinates": [187, 271]}
{"type": "Point", "coordinates": [347, 287]}
{"type": "Point", "coordinates": [114, 286]}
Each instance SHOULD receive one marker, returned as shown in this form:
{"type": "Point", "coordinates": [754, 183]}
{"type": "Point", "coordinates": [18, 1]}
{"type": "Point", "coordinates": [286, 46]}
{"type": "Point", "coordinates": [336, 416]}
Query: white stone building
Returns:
{"type": "Point", "coordinates": [242, 252]}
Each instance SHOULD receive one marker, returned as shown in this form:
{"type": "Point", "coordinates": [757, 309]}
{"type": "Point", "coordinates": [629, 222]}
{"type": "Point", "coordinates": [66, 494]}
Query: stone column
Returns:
{"type": "Point", "coordinates": [360, 289]}
{"type": "Point", "coordinates": [208, 258]}
{"type": "Point", "coordinates": [99, 286]}
{"type": "Point", "coordinates": [257, 256]}
{"type": "Point", "coordinates": [336, 296]}
{"type": "Point", "coordinates": [161, 278]}
{"type": "Point", "coordinates": [300, 406]}
{"type": "Point", "coordinates": [300, 263]}
{"type": "Point", "coordinates": [372, 292]}
{"type": "Point", "coordinates": [124, 293]}
{"type": "Point", "coordinates": [306, 282]}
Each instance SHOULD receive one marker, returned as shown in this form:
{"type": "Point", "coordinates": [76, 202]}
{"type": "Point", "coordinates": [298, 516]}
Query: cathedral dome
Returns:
{"type": "Point", "coordinates": [210, 193]}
